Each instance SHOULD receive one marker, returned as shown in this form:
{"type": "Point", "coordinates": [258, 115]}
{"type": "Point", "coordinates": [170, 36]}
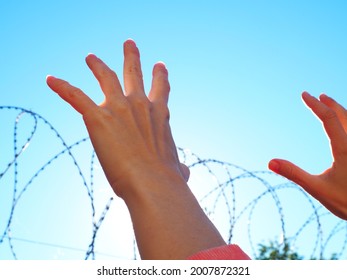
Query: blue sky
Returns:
{"type": "Point", "coordinates": [237, 69]}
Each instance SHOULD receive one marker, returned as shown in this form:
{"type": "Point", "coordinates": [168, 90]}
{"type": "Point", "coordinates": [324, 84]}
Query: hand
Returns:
{"type": "Point", "coordinates": [330, 187]}
{"type": "Point", "coordinates": [131, 135]}
{"type": "Point", "coordinates": [129, 131]}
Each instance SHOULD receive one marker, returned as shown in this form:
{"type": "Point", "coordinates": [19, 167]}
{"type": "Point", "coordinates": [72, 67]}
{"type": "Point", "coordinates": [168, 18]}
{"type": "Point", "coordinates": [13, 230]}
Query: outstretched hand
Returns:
{"type": "Point", "coordinates": [131, 135]}
{"type": "Point", "coordinates": [129, 131]}
{"type": "Point", "coordinates": [330, 187]}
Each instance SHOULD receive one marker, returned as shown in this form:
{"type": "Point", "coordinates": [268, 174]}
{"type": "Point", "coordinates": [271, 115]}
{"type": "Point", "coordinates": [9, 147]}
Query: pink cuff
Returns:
{"type": "Point", "coordinates": [227, 252]}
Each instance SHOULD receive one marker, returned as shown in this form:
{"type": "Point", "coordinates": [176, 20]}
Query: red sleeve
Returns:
{"type": "Point", "coordinates": [227, 252]}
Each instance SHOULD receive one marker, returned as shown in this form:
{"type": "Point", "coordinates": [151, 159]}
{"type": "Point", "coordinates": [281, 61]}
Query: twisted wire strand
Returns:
{"type": "Point", "coordinates": [223, 192]}
{"type": "Point", "coordinates": [319, 244]}
{"type": "Point", "coordinates": [66, 149]}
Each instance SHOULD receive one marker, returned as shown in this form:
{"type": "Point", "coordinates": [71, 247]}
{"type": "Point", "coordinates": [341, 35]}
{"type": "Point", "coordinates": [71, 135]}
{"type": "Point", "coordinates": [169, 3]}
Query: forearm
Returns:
{"type": "Point", "coordinates": [168, 220]}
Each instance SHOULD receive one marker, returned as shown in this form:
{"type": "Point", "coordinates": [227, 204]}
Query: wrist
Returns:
{"type": "Point", "coordinates": [143, 183]}
{"type": "Point", "coordinates": [167, 218]}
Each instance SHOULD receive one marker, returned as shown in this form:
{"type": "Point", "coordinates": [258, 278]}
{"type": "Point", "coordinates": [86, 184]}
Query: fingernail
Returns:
{"type": "Point", "coordinates": [50, 77]}
{"type": "Point", "coordinates": [91, 55]}
{"type": "Point", "coordinates": [324, 96]}
{"type": "Point", "coordinates": [130, 41]}
{"type": "Point", "coordinates": [274, 165]}
{"type": "Point", "coordinates": [162, 63]}
{"type": "Point", "coordinates": [305, 93]}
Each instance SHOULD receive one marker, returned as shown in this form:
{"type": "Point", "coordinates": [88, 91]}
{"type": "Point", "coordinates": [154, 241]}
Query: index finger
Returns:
{"type": "Point", "coordinates": [339, 109]}
{"type": "Point", "coordinates": [332, 125]}
{"type": "Point", "coordinates": [72, 95]}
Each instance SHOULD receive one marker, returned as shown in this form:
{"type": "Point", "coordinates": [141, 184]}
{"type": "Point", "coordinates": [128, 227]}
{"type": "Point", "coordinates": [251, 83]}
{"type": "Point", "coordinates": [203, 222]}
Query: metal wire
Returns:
{"type": "Point", "coordinates": [230, 194]}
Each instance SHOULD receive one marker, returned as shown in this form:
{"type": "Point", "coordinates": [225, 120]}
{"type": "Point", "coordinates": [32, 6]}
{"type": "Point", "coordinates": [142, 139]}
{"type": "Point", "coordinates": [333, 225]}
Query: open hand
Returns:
{"type": "Point", "coordinates": [130, 132]}
{"type": "Point", "coordinates": [330, 187]}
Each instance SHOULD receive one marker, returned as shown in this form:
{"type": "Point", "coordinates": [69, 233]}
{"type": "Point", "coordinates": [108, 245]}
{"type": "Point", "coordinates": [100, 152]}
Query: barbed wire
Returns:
{"type": "Point", "coordinates": [319, 239]}
{"type": "Point", "coordinates": [14, 162]}
{"type": "Point", "coordinates": [248, 207]}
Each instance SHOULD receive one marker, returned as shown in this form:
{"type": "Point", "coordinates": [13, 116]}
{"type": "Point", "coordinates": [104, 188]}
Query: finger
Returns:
{"type": "Point", "coordinates": [340, 110]}
{"type": "Point", "coordinates": [330, 121]}
{"type": "Point", "coordinates": [160, 84]}
{"type": "Point", "coordinates": [72, 95]}
{"type": "Point", "coordinates": [107, 78]}
{"type": "Point", "coordinates": [133, 82]}
{"type": "Point", "coordinates": [295, 174]}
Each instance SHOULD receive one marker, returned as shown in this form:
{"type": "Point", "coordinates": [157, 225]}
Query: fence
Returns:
{"type": "Point", "coordinates": [56, 203]}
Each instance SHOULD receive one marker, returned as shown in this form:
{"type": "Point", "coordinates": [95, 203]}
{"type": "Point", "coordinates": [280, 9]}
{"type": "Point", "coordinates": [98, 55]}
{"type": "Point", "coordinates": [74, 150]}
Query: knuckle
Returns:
{"type": "Point", "coordinates": [329, 114]}
{"type": "Point", "coordinates": [290, 172]}
{"type": "Point", "coordinates": [133, 69]}
{"type": "Point", "coordinates": [140, 102]}
{"type": "Point", "coordinates": [106, 72]}
{"type": "Point", "coordinates": [121, 106]}
{"type": "Point", "coordinates": [165, 85]}
{"type": "Point", "coordinates": [105, 115]}
{"type": "Point", "coordinates": [60, 84]}
{"type": "Point", "coordinates": [72, 93]}
{"type": "Point", "coordinates": [164, 112]}
{"type": "Point", "coordinates": [75, 91]}
{"type": "Point", "coordinates": [93, 116]}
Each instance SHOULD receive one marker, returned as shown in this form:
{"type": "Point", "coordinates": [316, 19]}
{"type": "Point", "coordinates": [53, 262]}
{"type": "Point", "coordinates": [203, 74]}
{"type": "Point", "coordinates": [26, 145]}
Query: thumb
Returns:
{"type": "Point", "coordinates": [294, 173]}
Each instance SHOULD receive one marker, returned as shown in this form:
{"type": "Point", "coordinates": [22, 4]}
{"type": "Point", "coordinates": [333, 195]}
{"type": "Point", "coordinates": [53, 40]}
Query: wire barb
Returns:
{"type": "Point", "coordinates": [246, 206]}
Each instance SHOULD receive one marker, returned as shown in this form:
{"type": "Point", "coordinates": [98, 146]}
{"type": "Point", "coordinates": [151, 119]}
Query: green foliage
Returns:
{"type": "Point", "coordinates": [334, 256]}
{"type": "Point", "coordinates": [283, 251]}
{"type": "Point", "coordinates": [276, 251]}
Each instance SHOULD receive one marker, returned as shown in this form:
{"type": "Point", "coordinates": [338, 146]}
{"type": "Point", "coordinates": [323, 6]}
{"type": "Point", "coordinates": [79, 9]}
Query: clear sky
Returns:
{"type": "Point", "coordinates": [237, 69]}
